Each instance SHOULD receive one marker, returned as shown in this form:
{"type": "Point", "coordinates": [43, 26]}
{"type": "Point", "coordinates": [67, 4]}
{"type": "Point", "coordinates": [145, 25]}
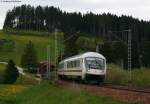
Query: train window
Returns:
{"type": "Point", "coordinates": [94, 63]}
{"type": "Point", "coordinates": [68, 64]}
{"type": "Point", "coordinates": [73, 64]}
{"type": "Point", "coordinates": [78, 63]}
{"type": "Point", "coordinates": [61, 66]}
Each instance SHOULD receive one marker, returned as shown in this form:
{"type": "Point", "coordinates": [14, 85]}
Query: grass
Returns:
{"type": "Point", "coordinates": [52, 94]}
{"type": "Point", "coordinates": [24, 80]}
{"type": "Point", "coordinates": [141, 77]}
{"type": "Point", "coordinates": [39, 41]}
{"type": "Point", "coordinates": [2, 67]}
{"type": "Point", "coordinates": [118, 76]}
{"type": "Point", "coordinates": [8, 93]}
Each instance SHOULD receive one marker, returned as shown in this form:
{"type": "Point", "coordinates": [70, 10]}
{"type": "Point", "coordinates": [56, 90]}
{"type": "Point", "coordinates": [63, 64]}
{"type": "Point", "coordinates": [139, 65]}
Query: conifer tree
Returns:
{"type": "Point", "coordinates": [11, 73]}
{"type": "Point", "coordinates": [29, 58]}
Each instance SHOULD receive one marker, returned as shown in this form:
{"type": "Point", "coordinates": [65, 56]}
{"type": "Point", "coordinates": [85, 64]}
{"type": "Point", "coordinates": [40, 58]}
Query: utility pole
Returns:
{"type": "Point", "coordinates": [56, 53]}
{"type": "Point", "coordinates": [130, 54]}
{"type": "Point", "coordinates": [129, 43]}
{"type": "Point", "coordinates": [20, 20]}
{"type": "Point", "coordinates": [97, 48]}
{"type": "Point", "coordinates": [48, 61]}
{"type": "Point", "coordinates": [68, 38]}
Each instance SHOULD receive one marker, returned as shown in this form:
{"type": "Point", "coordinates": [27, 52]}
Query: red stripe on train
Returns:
{"type": "Point", "coordinates": [72, 70]}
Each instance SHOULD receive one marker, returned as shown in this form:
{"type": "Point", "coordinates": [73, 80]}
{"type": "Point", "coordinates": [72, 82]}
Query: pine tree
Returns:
{"type": "Point", "coordinates": [120, 53]}
{"type": "Point", "coordinates": [135, 56]}
{"type": "Point", "coordinates": [11, 73]}
{"type": "Point", "coordinates": [107, 51]}
{"type": "Point", "coordinates": [145, 52]}
{"type": "Point", "coordinates": [70, 46]}
{"type": "Point", "coordinates": [29, 58]}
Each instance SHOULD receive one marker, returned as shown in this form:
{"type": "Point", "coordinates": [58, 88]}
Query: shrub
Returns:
{"type": "Point", "coordinates": [116, 75]}
{"type": "Point", "coordinates": [11, 73]}
{"type": "Point", "coordinates": [141, 78]}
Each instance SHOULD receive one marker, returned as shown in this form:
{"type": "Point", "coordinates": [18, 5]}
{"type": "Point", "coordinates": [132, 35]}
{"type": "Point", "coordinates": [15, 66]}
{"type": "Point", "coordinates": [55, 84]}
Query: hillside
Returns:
{"type": "Point", "coordinates": [2, 67]}
{"type": "Point", "coordinates": [15, 43]}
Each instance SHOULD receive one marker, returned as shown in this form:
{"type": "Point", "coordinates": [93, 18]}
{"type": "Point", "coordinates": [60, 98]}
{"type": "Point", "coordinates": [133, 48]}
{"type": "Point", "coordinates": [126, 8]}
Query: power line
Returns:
{"type": "Point", "coordinates": [70, 37]}
{"type": "Point", "coordinates": [48, 61]}
{"type": "Point", "coordinates": [129, 43]}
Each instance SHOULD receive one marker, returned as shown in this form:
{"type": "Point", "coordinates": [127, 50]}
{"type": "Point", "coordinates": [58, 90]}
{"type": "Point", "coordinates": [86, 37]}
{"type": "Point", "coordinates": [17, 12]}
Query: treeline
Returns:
{"type": "Point", "coordinates": [39, 18]}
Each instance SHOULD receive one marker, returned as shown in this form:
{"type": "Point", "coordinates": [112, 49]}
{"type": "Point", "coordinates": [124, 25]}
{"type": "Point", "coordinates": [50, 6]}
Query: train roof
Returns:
{"type": "Point", "coordinates": [83, 55]}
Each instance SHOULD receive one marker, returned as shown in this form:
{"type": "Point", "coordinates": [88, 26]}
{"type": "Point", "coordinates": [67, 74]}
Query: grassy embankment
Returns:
{"type": "Point", "coordinates": [118, 76]}
{"type": "Point", "coordinates": [49, 94]}
{"type": "Point", "coordinates": [41, 40]}
{"type": "Point", "coordinates": [2, 67]}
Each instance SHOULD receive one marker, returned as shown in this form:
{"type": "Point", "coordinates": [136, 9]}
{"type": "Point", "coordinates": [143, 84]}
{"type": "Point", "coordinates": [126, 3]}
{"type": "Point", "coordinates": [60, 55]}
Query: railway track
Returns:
{"type": "Point", "coordinates": [111, 86]}
{"type": "Point", "coordinates": [122, 93]}
{"type": "Point", "coordinates": [126, 88]}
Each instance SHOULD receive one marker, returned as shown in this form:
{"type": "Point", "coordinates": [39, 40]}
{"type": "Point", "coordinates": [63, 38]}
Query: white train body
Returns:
{"type": "Point", "coordinates": [86, 66]}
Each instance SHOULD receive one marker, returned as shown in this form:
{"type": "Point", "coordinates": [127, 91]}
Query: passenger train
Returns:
{"type": "Point", "coordinates": [89, 66]}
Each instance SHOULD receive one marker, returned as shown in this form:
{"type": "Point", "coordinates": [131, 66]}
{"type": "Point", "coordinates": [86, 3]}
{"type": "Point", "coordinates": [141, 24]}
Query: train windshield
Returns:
{"type": "Point", "coordinates": [94, 63]}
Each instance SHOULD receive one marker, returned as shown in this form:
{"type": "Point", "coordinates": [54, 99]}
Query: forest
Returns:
{"type": "Point", "coordinates": [48, 18]}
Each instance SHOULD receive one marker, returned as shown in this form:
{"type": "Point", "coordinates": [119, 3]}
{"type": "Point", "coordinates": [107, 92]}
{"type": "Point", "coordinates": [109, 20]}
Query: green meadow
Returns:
{"type": "Point", "coordinates": [2, 68]}
{"type": "Point", "coordinates": [49, 94]}
{"type": "Point", "coordinates": [20, 41]}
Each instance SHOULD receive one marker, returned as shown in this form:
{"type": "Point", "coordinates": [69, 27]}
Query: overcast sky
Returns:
{"type": "Point", "coordinates": [136, 8]}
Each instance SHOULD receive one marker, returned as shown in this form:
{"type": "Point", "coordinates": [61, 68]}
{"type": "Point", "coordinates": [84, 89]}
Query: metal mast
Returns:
{"type": "Point", "coordinates": [129, 43]}
{"type": "Point", "coordinates": [129, 54]}
{"type": "Point", "coordinates": [48, 61]}
{"type": "Point", "coordinates": [56, 52]}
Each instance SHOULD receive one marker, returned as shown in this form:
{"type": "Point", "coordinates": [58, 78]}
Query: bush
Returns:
{"type": "Point", "coordinates": [1, 78]}
{"type": "Point", "coordinates": [116, 75]}
{"type": "Point", "coordinates": [141, 78]}
{"type": "Point", "coordinates": [145, 50]}
{"type": "Point", "coordinates": [11, 73]}
{"type": "Point", "coordinates": [107, 50]}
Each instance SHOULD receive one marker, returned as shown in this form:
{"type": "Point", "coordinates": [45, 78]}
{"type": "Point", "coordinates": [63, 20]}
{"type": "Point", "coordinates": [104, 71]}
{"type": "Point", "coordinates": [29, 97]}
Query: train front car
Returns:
{"type": "Point", "coordinates": [94, 67]}
{"type": "Point", "coordinates": [89, 66]}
